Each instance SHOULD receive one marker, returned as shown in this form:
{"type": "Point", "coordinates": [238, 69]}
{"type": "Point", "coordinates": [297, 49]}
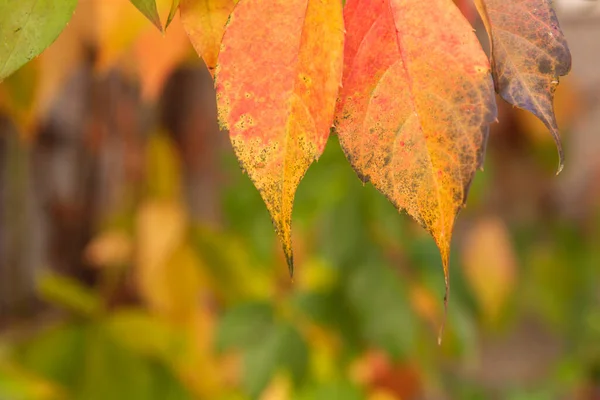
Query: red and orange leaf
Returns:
{"type": "Point", "coordinates": [417, 104]}
{"type": "Point", "coordinates": [204, 21]}
{"type": "Point", "coordinates": [529, 53]}
{"type": "Point", "coordinates": [277, 83]}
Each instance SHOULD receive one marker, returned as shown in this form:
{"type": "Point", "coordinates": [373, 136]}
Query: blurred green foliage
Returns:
{"type": "Point", "coordinates": [360, 320]}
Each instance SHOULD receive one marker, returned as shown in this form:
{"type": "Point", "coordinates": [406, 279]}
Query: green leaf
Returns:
{"type": "Point", "coordinates": [382, 307]}
{"type": "Point", "coordinates": [244, 325]}
{"type": "Point", "coordinates": [21, 385]}
{"type": "Point", "coordinates": [174, 8]}
{"type": "Point", "coordinates": [144, 334]}
{"type": "Point", "coordinates": [27, 27]}
{"type": "Point", "coordinates": [111, 371]}
{"type": "Point", "coordinates": [68, 292]}
{"type": "Point", "coordinates": [56, 353]}
{"type": "Point", "coordinates": [282, 348]}
{"type": "Point", "coordinates": [148, 8]}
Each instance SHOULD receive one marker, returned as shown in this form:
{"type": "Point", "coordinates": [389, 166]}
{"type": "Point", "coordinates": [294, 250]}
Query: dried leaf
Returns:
{"type": "Point", "coordinates": [150, 11]}
{"type": "Point", "coordinates": [414, 123]}
{"type": "Point", "coordinates": [27, 27]}
{"type": "Point", "coordinates": [204, 21]}
{"type": "Point", "coordinates": [276, 88]}
{"type": "Point", "coordinates": [529, 54]}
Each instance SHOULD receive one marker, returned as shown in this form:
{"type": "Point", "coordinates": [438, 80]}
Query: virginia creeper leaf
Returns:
{"type": "Point", "coordinates": [150, 11]}
{"type": "Point", "coordinates": [27, 27]}
{"type": "Point", "coordinates": [416, 108]}
{"type": "Point", "coordinates": [529, 53]}
{"type": "Point", "coordinates": [277, 84]}
{"type": "Point", "coordinates": [204, 21]}
{"type": "Point", "coordinates": [172, 11]}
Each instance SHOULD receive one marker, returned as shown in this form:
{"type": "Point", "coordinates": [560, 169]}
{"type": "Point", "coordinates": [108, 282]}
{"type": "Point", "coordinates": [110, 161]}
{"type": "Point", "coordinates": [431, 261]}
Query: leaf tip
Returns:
{"type": "Point", "coordinates": [446, 295]}
{"type": "Point", "coordinates": [561, 159]}
{"type": "Point", "coordinates": [289, 258]}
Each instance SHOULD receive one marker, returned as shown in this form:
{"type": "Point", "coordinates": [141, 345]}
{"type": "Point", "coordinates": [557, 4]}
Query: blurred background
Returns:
{"type": "Point", "coordinates": [138, 262]}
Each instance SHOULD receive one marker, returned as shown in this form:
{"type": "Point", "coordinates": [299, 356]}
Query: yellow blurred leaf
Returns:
{"type": "Point", "coordinates": [118, 23]}
{"type": "Point", "coordinates": [163, 168]}
{"type": "Point", "coordinates": [315, 275]}
{"type": "Point", "coordinates": [325, 348]}
{"type": "Point", "coordinates": [489, 265]}
{"type": "Point", "coordinates": [160, 232]}
{"type": "Point", "coordinates": [382, 394]}
{"type": "Point", "coordinates": [201, 367]}
{"type": "Point", "coordinates": [278, 389]}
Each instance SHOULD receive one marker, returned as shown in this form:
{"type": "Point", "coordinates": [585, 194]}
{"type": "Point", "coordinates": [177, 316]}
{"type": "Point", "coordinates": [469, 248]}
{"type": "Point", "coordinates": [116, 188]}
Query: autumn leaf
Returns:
{"type": "Point", "coordinates": [414, 123]}
{"type": "Point", "coordinates": [529, 54]}
{"type": "Point", "coordinates": [27, 27]}
{"type": "Point", "coordinates": [150, 11]}
{"type": "Point", "coordinates": [276, 88]}
{"type": "Point", "coordinates": [204, 21]}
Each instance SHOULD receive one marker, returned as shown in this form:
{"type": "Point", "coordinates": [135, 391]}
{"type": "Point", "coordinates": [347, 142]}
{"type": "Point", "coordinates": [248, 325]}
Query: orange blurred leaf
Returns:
{"type": "Point", "coordinates": [276, 88]}
{"type": "Point", "coordinates": [414, 123]}
{"type": "Point", "coordinates": [118, 25]}
{"type": "Point", "coordinates": [204, 21]}
{"type": "Point", "coordinates": [385, 379]}
{"type": "Point", "coordinates": [529, 53]}
{"type": "Point", "coordinates": [490, 265]}
{"type": "Point", "coordinates": [156, 55]}
{"type": "Point", "coordinates": [110, 248]}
